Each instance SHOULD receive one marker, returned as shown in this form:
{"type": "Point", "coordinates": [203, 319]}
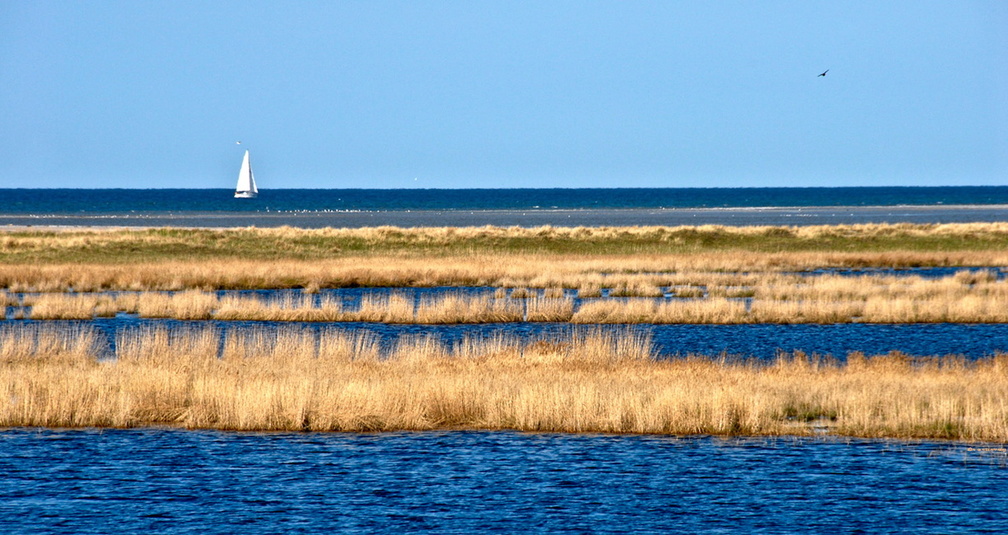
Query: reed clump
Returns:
{"type": "Point", "coordinates": [188, 305]}
{"type": "Point", "coordinates": [286, 307]}
{"type": "Point", "coordinates": [587, 381]}
{"type": "Point", "coordinates": [391, 308]}
{"type": "Point", "coordinates": [962, 297]}
{"type": "Point", "coordinates": [637, 310]}
{"type": "Point", "coordinates": [548, 309]}
{"type": "Point", "coordinates": [64, 307]}
{"type": "Point", "coordinates": [456, 308]}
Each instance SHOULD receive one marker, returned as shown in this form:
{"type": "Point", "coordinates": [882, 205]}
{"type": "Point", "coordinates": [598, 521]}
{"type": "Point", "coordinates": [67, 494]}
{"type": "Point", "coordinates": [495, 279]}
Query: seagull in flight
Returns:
{"type": "Point", "coordinates": [824, 73]}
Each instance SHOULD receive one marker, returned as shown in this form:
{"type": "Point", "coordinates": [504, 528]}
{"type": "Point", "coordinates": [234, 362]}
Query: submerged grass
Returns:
{"type": "Point", "coordinates": [589, 381]}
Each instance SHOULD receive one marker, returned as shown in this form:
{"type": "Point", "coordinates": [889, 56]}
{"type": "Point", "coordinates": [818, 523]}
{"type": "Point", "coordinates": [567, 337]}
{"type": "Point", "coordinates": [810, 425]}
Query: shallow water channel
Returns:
{"type": "Point", "coordinates": [173, 481]}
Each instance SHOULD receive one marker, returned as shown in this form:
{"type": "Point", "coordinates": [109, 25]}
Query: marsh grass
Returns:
{"type": "Point", "coordinates": [587, 290]}
{"type": "Point", "coordinates": [265, 244]}
{"type": "Point", "coordinates": [637, 310]}
{"type": "Point", "coordinates": [521, 293]}
{"type": "Point", "coordinates": [642, 289]}
{"type": "Point", "coordinates": [634, 261]}
{"type": "Point", "coordinates": [63, 307]}
{"type": "Point", "coordinates": [963, 297]}
{"type": "Point", "coordinates": [38, 342]}
{"type": "Point", "coordinates": [188, 305]}
{"type": "Point", "coordinates": [588, 381]}
{"type": "Point", "coordinates": [286, 307]}
{"type": "Point", "coordinates": [547, 309]}
{"type": "Point", "coordinates": [8, 299]}
{"type": "Point", "coordinates": [458, 308]}
{"type": "Point", "coordinates": [392, 308]}
{"type": "Point", "coordinates": [633, 276]}
{"type": "Point", "coordinates": [687, 291]}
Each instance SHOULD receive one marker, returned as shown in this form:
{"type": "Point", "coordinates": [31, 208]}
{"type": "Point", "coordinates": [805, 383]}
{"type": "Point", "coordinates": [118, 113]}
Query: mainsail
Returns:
{"type": "Point", "coordinates": [246, 188]}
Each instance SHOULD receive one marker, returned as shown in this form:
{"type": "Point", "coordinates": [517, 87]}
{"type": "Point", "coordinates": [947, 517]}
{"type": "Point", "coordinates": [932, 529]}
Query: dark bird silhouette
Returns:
{"type": "Point", "coordinates": [824, 73]}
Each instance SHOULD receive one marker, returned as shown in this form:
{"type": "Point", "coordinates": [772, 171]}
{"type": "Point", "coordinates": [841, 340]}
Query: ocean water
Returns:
{"type": "Point", "coordinates": [217, 208]}
{"type": "Point", "coordinates": [124, 201]}
{"type": "Point", "coordinates": [176, 481]}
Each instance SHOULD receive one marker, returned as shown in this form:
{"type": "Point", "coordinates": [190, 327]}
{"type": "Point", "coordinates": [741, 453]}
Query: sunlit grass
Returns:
{"type": "Point", "coordinates": [589, 381]}
{"type": "Point", "coordinates": [962, 297]}
{"type": "Point", "coordinates": [130, 246]}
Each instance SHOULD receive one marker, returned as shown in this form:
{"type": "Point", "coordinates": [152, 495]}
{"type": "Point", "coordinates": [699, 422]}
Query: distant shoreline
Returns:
{"type": "Point", "coordinates": [562, 217]}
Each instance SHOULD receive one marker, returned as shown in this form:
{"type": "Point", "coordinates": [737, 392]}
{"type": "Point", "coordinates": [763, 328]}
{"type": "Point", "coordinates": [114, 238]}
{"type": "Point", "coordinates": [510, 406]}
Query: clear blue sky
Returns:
{"type": "Point", "coordinates": [503, 94]}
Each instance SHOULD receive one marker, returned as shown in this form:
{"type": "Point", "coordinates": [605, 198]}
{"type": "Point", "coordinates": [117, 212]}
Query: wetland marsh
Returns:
{"type": "Point", "coordinates": [257, 373]}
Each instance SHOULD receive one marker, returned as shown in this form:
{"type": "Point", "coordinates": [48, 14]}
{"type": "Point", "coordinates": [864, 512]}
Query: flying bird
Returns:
{"type": "Point", "coordinates": [824, 73]}
{"type": "Point", "coordinates": [237, 142]}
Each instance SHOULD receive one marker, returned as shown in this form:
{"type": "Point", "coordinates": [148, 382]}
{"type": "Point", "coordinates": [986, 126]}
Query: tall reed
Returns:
{"type": "Point", "coordinates": [64, 307]}
{"type": "Point", "coordinates": [588, 381]}
{"type": "Point", "coordinates": [456, 308]}
{"type": "Point", "coordinates": [189, 305]}
{"type": "Point", "coordinates": [827, 299]}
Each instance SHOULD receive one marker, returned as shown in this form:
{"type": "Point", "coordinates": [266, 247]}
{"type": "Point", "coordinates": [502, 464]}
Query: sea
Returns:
{"type": "Point", "coordinates": [315, 208]}
{"type": "Point", "coordinates": [192, 481]}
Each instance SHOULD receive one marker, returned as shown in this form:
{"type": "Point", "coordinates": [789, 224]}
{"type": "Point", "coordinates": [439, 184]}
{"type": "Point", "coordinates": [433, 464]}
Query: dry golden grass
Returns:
{"type": "Point", "coordinates": [64, 307]}
{"type": "Point", "coordinates": [586, 290]}
{"type": "Point", "coordinates": [393, 308]}
{"type": "Point", "coordinates": [189, 305]}
{"type": "Point", "coordinates": [590, 381]}
{"type": "Point", "coordinates": [521, 293]}
{"type": "Point", "coordinates": [553, 292]}
{"type": "Point", "coordinates": [8, 299]}
{"type": "Point", "coordinates": [637, 310]}
{"type": "Point", "coordinates": [453, 308]}
{"type": "Point", "coordinates": [285, 308]}
{"type": "Point", "coordinates": [307, 242]}
{"type": "Point", "coordinates": [641, 289]}
{"type": "Point", "coordinates": [634, 260]}
{"type": "Point", "coordinates": [642, 271]}
{"type": "Point", "coordinates": [549, 309]}
{"type": "Point", "coordinates": [964, 297]}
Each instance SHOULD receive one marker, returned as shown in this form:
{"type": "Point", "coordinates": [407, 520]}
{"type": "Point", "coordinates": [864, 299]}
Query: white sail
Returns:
{"type": "Point", "coordinates": [246, 188]}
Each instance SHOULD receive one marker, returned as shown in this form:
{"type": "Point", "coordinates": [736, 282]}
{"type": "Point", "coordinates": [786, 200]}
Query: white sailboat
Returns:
{"type": "Point", "coordinates": [246, 188]}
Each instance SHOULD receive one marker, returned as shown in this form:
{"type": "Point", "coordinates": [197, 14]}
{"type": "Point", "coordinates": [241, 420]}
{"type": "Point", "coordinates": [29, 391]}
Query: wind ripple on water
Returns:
{"type": "Point", "coordinates": [462, 482]}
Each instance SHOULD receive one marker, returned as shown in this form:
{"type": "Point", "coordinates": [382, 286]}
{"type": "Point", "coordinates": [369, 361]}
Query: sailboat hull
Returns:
{"type": "Point", "coordinates": [245, 195]}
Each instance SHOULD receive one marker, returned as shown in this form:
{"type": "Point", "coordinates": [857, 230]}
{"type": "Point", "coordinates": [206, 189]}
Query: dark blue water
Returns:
{"type": "Point", "coordinates": [124, 201]}
{"type": "Point", "coordinates": [168, 481]}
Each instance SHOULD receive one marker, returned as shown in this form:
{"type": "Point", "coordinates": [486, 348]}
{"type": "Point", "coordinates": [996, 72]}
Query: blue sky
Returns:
{"type": "Point", "coordinates": [503, 94]}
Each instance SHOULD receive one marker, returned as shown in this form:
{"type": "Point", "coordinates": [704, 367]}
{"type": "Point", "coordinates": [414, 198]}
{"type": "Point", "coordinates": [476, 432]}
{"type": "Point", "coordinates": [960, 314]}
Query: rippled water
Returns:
{"type": "Point", "coordinates": [99, 201]}
{"type": "Point", "coordinates": [171, 481]}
